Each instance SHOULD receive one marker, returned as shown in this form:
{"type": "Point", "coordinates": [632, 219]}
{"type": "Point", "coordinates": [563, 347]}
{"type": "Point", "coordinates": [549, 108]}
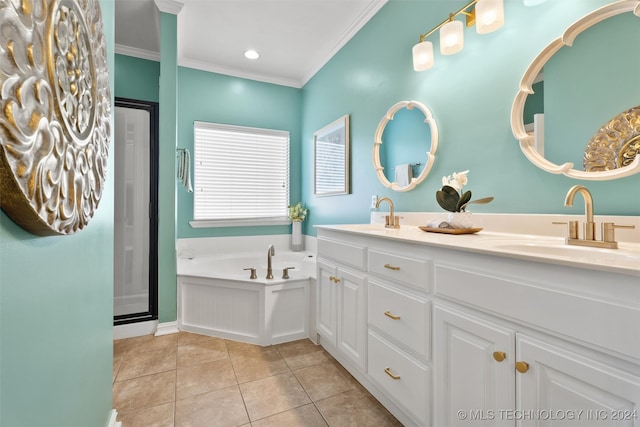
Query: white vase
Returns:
{"type": "Point", "coordinates": [460, 219]}
{"type": "Point", "coordinates": [297, 239]}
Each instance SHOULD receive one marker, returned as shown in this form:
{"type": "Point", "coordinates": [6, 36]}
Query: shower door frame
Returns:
{"type": "Point", "coordinates": [153, 109]}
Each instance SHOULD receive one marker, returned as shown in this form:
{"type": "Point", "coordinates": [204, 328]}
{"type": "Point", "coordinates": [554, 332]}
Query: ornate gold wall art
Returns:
{"type": "Point", "coordinates": [55, 109]}
{"type": "Point", "coordinates": [615, 144]}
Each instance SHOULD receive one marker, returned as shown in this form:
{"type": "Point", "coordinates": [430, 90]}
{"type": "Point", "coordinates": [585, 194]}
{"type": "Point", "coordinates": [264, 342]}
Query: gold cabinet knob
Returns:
{"type": "Point", "coordinates": [499, 356]}
{"type": "Point", "coordinates": [522, 367]}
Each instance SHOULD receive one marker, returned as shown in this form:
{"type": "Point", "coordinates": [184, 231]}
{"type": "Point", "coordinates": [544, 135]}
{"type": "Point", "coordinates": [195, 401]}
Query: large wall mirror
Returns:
{"type": "Point", "coordinates": [583, 90]}
{"type": "Point", "coordinates": [405, 145]}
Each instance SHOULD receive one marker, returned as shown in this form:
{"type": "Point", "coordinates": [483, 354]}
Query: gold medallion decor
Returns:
{"type": "Point", "coordinates": [616, 144]}
{"type": "Point", "coordinates": [55, 108]}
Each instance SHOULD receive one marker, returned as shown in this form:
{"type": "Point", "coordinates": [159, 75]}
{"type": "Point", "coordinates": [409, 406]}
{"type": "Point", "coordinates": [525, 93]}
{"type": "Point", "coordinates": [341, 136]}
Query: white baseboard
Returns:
{"type": "Point", "coordinates": [134, 329]}
{"type": "Point", "coordinates": [113, 414]}
{"type": "Point", "coordinates": [166, 328]}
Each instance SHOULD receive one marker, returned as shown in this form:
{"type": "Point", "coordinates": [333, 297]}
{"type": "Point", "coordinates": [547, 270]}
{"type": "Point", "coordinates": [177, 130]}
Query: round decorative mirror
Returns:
{"type": "Point", "coordinates": [405, 145]}
{"type": "Point", "coordinates": [580, 94]}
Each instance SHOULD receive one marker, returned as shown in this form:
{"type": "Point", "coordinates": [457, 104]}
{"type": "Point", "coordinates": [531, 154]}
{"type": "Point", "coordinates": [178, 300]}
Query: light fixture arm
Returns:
{"type": "Point", "coordinates": [470, 19]}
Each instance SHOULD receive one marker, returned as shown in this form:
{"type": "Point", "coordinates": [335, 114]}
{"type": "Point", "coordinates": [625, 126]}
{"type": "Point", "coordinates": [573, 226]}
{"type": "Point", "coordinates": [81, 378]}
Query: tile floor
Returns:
{"type": "Point", "coordinates": [193, 380]}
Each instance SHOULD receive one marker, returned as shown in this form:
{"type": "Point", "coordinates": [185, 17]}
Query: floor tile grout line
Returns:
{"type": "Point", "coordinates": [235, 374]}
{"type": "Point", "coordinates": [305, 390]}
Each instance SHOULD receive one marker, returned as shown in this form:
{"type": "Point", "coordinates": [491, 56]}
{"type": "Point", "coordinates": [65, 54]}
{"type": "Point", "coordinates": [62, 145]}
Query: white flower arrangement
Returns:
{"type": "Point", "coordinates": [451, 198]}
{"type": "Point", "coordinates": [297, 213]}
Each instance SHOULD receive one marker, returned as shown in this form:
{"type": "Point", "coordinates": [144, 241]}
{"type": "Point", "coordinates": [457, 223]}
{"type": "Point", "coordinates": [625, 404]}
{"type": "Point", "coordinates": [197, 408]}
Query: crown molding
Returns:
{"type": "Point", "coordinates": [137, 53]}
{"type": "Point", "coordinates": [357, 25]}
{"type": "Point", "coordinates": [227, 71]}
{"type": "Point", "coordinates": [169, 6]}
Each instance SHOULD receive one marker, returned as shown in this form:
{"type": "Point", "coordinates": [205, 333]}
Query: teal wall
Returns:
{"type": "Point", "coordinates": [56, 315]}
{"type": "Point", "coordinates": [470, 95]}
{"type": "Point", "coordinates": [137, 78]}
{"type": "Point", "coordinates": [210, 97]}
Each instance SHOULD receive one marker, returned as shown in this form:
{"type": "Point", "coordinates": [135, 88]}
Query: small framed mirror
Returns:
{"type": "Point", "coordinates": [405, 146]}
{"type": "Point", "coordinates": [331, 158]}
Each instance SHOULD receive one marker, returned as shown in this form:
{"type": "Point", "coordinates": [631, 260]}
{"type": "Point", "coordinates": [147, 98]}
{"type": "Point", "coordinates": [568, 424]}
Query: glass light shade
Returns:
{"type": "Point", "coordinates": [489, 15]}
{"type": "Point", "coordinates": [451, 38]}
{"type": "Point", "coordinates": [422, 56]}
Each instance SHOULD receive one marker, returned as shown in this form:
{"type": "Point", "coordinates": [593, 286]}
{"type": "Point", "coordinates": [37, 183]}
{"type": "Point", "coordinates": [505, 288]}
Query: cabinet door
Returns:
{"type": "Point", "coordinates": [352, 316]}
{"type": "Point", "coordinates": [326, 301]}
{"type": "Point", "coordinates": [472, 380]}
{"type": "Point", "coordinates": [585, 392]}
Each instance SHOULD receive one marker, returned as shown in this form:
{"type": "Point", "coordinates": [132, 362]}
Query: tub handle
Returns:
{"type": "Point", "coordinates": [253, 273]}
{"type": "Point", "coordinates": [285, 272]}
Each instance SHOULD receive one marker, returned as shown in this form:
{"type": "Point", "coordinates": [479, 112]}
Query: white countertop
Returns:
{"type": "Point", "coordinates": [547, 249]}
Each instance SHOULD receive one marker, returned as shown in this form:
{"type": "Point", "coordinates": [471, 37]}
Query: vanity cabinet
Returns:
{"type": "Point", "coordinates": [341, 315]}
{"type": "Point", "coordinates": [460, 338]}
{"type": "Point", "coordinates": [561, 379]}
{"type": "Point", "coordinates": [474, 368]}
{"type": "Point", "coordinates": [399, 337]}
{"type": "Point", "coordinates": [498, 376]}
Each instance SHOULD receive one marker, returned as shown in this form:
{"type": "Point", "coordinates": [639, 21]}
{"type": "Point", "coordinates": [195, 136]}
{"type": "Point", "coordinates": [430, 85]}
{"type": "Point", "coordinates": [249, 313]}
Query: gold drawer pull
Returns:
{"type": "Point", "coordinates": [499, 356]}
{"type": "Point", "coordinates": [393, 316]}
{"type": "Point", "coordinates": [522, 367]}
{"type": "Point", "coordinates": [388, 372]}
{"type": "Point", "coordinates": [391, 267]}
{"type": "Point", "coordinates": [334, 279]}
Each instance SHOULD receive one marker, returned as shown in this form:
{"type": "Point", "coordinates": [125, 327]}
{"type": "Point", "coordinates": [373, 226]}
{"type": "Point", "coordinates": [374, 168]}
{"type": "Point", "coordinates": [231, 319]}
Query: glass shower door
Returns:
{"type": "Point", "coordinates": [134, 292]}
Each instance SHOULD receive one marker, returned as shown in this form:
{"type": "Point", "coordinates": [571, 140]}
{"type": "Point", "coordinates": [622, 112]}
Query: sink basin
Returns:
{"type": "Point", "coordinates": [560, 249]}
{"type": "Point", "coordinates": [364, 227]}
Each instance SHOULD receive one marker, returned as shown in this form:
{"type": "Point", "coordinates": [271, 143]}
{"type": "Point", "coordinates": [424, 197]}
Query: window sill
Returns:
{"type": "Point", "coordinates": [238, 222]}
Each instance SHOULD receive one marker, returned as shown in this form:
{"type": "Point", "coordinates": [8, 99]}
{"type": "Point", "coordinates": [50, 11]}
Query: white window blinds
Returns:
{"type": "Point", "coordinates": [240, 173]}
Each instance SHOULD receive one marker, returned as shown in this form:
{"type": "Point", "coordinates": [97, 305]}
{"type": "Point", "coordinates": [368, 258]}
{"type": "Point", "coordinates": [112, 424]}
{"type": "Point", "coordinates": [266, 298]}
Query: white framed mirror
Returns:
{"type": "Point", "coordinates": [405, 145]}
{"type": "Point", "coordinates": [578, 124]}
{"type": "Point", "coordinates": [331, 158]}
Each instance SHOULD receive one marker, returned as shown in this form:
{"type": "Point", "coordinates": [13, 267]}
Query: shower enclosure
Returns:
{"type": "Point", "coordinates": [136, 212]}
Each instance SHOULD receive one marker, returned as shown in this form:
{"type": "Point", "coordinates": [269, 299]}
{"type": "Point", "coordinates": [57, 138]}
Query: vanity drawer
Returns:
{"type": "Point", "coordinates": [403, 316]}
{"type": "Point", "coordinates": [410, 271]}
{"type": "Point", "coordinates": [401, 378]}
{"type": "Point", "coordinates": [344, 253]}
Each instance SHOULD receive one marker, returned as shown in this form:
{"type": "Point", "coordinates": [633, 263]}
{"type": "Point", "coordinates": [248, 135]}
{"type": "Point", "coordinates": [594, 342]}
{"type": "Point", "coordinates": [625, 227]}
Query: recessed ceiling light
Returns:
{"type": "Point", "coordinates": [251, 54]}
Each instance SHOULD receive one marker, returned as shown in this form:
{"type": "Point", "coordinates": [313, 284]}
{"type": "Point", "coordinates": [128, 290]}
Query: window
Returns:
{"type": "Point", "coordinates": [241, 175]}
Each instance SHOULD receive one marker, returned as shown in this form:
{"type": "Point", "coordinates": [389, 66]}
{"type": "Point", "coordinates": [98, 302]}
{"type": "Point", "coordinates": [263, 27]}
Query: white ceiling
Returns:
{"type": "Point", "coordinates": [295, 38]}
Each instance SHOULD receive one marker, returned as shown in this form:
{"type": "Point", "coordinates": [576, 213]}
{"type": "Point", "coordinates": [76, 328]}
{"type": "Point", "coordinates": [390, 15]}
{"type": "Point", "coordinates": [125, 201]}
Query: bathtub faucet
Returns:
{"type": "Point", "coordinates": [271, 251]}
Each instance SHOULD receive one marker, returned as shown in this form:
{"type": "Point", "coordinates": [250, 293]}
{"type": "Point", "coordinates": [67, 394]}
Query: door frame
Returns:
{"type": "Point", "coordinates": [153, 109]}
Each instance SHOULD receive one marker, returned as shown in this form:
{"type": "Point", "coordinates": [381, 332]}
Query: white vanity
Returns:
{"type": "Point", "coordinates": [483, 329]}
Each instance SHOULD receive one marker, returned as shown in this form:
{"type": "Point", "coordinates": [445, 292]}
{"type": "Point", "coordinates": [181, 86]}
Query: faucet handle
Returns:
{"type": "Point", "coordinates": [573, 228]}
{"type": "Point", "coordinates": [608, 230]}
{"type": "Point", "coordinates": [392, 221]}
{"type": "Point", "coordinates": [253, 272]}
{"type": "Point", "coordinates": [285, 272]}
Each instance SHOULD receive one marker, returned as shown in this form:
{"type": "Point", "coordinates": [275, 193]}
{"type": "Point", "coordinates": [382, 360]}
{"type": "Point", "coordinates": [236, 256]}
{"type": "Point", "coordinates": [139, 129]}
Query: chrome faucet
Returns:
{"type": "Point", "coordinates": [391, 221]}
{"type": "Point", "coordinates": [271, 251]}
{"type": "Point", "coordinates": [589, 234]}
{"type": "Point", "coordinates": [589, 225]}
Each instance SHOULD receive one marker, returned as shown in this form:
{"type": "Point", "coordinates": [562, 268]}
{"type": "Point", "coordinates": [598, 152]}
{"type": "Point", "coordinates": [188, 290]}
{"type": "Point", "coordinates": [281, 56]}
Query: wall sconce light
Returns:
{"type": "Point", "coordinates": [487, 15]}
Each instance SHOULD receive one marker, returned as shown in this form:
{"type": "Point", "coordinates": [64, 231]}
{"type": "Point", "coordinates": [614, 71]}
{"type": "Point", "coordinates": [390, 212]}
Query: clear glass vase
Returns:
{"type": "Point", "coordinates": [297, 238]}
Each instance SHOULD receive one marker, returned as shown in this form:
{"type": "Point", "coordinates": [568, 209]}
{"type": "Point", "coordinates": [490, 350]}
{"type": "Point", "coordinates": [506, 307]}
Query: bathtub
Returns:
{"type": "Point", "coordinates": [217, 297]}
